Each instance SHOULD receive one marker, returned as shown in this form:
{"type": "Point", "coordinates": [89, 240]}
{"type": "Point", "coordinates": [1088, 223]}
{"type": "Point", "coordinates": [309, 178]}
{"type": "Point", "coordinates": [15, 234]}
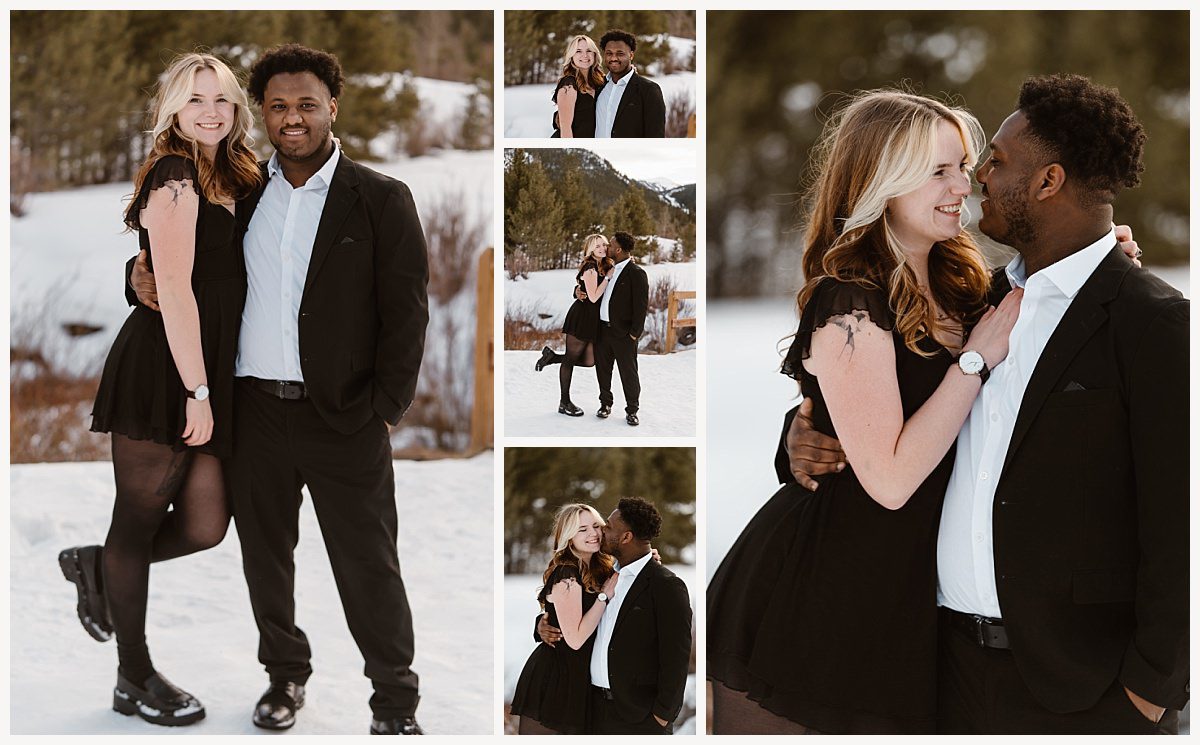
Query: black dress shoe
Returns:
{"type": "Point", "coordinates": [277, 708]}
{"type": "Point", "coordinates": [402, 726]}
{"type": "Point", "coordinates": [81, 566]}
{"type": "Point", "coordinates": [604, 411]}
{"type": "Point", "coordinates": [547, 357]}
{"type": "Point", "coordinates": [570, 409]}
{"type": "Point", "coordinates": [631, 420]}
{"type": "Point", "coordinates": [157, 701]}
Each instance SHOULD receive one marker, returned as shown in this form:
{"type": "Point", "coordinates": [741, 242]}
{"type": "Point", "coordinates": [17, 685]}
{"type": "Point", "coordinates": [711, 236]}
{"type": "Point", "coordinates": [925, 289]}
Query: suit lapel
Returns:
{"type": "Point", "coordinates": [1085, 314]}
{"type": "Point", "coordinates": [343, 193]}
{"type": "Point", "coordinates": [640, 583]}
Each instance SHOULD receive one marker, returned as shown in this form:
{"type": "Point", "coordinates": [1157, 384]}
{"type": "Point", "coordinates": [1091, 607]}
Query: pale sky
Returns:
{"type": "Point", "coordinates": [673, 159]}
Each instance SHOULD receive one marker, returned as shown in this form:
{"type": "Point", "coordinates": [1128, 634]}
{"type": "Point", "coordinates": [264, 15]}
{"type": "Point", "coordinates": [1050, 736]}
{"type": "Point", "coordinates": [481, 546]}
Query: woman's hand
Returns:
{"type": "Point", "coordinates": [610, 585]}
{"type": "Point", "coordinates": [654, 555]}
{"type": "Point", "coordinates": [199, 427]}
{"type": "Point", "coordinates": [990, 335]}
{"type": "Point", "coordinates": [1127, 244]}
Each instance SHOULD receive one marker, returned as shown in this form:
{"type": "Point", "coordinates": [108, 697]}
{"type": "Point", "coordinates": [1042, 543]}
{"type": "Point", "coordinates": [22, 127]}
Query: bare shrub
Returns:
{"type": "Point", "coordinates": [20, 179]}
{"type": "Point", "coordinates": [440, 417]}
{"type": "Point", "coordinates": [517, 264]}
{"type": "Point", "coordinates": [527, 326]}
{"type": "Point", "coordinates": [679, 110]}
{"type": "Point", "coordinates": [657, 333]}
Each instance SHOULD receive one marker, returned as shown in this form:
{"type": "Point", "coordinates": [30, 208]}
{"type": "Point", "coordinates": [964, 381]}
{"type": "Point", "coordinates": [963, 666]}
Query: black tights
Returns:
{"type": "Point", "coordinates": [531, 726]}
{"type": "Point", "coordinates": [733, 713]}
{"type": "Point", "coordinates": [578, 353]}
{"type": "Point", "coordinates": [150, 478]}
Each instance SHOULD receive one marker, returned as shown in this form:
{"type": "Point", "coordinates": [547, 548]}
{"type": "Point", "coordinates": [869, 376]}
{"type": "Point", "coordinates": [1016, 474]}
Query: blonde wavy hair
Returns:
{"type": "Point", "coordinates": [234, 172]}
{"type": "Point", "coordinates": [883, 144]}
{"type": "Point", "coordinates": [586, 80]}
{"type": "Point", "coordinates": [593, 570]}
{"type": "Point", "coordinates": [602, 264]}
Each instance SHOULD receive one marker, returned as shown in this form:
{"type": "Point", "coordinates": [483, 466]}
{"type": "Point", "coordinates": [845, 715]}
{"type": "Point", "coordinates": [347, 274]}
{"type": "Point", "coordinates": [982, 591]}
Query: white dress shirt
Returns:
{"type": "Point", "coordinates": [608, 290]}
{"type": "Point", "coordinates": [604, 631]}
{"type": "Point", "coordinates": [278, 246]}
{"type": "Point", "coordinates": [609, 101]}
{"type": "Point", "coordinates": [965, 558]}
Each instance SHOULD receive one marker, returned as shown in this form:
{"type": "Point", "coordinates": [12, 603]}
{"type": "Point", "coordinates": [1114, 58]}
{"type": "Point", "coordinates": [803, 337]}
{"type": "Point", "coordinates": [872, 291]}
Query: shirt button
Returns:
{"type": "Point", "coordinates": [979, 537]}
{"type": "Point", "coordinates": [983, 475]}
{"type": "Point", "coordinates": [995, 417]}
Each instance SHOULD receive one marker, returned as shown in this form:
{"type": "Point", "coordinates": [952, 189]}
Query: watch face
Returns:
{"type": "Point", "coordinates": [201, 393]}
{"type": "Point", "coordinates": [971, 363]}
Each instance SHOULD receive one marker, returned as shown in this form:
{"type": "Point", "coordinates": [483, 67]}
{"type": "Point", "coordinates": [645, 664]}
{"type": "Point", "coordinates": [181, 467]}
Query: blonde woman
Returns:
{"type": "Point", "coordinates": [165, 395]}
{"type": "Point", "coordinates": [822, 617]}
{"type": "Point", "coordinates": [552, 693]}
{"type": "Point", "coordinates": [582, 323]}
{"type": "Point", "coordinates": [576, 91]}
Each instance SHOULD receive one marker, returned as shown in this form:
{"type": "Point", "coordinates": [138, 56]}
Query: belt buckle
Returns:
{"type": "Point", "coordinates": [979, 638]}
{"type": "Point", "coordinates": [280, 389]}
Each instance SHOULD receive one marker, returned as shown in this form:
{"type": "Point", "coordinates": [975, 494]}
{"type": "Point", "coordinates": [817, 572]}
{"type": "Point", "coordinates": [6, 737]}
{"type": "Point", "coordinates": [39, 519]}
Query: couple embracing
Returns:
{"type": "Point", "coordinates": [616, 631]}
{"type": "Point", "coordinates": [278, 328]}
{"type": "Point", "coordinates": [603, 325]}
{"type": "Point", "coordinates": [983, 527]}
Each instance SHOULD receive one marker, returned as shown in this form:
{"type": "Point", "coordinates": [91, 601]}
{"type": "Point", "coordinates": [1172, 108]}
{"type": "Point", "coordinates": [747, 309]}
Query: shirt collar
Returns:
{"type": "Point", "coordinates": [635, 568]}
{"type": "Point", "coordinates": [620, 264]}
{"type": "Point", "coordinates": [325, 174]}
{"type": "Point", "coordinates": [1068, 273]}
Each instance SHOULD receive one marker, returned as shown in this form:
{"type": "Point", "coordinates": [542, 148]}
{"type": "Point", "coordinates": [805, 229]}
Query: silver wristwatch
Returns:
{"type": "Point", "coordinates": [200, 394]}
{"type": "Point", "coordinates": [602, 598]}
{"type": "Point", "coordinates": [971, 363]}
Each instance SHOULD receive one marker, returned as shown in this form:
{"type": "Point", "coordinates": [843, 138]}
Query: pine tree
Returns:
{"type": "Point", "coordinates": [536, 219]}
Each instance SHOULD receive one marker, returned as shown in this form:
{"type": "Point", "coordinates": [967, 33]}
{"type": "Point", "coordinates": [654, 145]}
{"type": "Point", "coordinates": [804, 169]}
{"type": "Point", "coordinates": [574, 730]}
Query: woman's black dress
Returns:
{"type": "Point", "coordinates": [141, 394]}
{"type": "Point", "coordinates": [555, 682]}
{"type": "Point", "coordinates": [583, 123]}
{"type": "Point", "coordinates": [583, 317]}
{"type": "Point", "coordinates": [824, 610]}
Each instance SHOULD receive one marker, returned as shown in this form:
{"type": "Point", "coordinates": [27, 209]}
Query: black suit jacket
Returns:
{"type": "Point", "coordinates": [650, 646]}
{"type": "Point", "coordinates": [364, 309]}
{"type": "Point", "coordinates": [630, 297]}
{"type": "Point", "coordinates": [642, 112]}
{"type": "Point", "coordinates": [1090, 517]}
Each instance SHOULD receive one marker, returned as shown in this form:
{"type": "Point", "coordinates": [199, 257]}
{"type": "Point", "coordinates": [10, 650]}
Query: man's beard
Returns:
{"type": "Point", "coordinates": [1019, 226]}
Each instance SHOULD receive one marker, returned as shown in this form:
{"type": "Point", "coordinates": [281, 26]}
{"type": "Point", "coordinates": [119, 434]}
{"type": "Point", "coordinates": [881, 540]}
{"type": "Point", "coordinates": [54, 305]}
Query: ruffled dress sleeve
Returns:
{"type": "Point", "coordinates": [834, 298]}
{"type": "Point", "coordinates": [168, 168]}
{"type": "Point", "coordinates": [563, 82]}
{"type": "Point", "coordinates": [560, 573]}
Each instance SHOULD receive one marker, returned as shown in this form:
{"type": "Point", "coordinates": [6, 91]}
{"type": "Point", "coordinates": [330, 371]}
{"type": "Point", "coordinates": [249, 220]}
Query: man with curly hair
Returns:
{"type": "Point", "coordinates": [639, 663]}
{"type": "Point", "coordinates": [628, 105]}
{"type": "Point", "coordinates": [1063, 545]}
{"type": "Point", "coordinates": [331, 342]}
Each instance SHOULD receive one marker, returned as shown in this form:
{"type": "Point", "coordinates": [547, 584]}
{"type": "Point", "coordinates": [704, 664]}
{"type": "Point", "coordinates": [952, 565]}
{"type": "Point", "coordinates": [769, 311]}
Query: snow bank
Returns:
{"type": "Point", "coordinates": [528, 109]}
{"type": "Point", "coordinates": [550, 291]}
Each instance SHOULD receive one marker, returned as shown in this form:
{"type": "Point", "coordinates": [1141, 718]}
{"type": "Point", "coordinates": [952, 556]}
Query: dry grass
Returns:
{"type": "Point", "coordinates": [656, 315]}
{"type": "Point", "coordinates": [527, 327]}
{"type": "Point", "coordinates": [679, 109]}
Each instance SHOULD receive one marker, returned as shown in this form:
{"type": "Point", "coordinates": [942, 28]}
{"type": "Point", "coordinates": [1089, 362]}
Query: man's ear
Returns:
{"type": "Point", "coordinates": [333, 109]}
{"type": "Point", "coordinates": [1053, 178]}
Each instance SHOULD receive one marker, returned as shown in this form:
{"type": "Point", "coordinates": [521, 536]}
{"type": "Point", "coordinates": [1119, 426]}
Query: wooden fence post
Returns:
{"type": "Point", "coordinates": [673, 321]}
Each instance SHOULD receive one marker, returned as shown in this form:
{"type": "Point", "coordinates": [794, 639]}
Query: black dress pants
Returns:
{"type": "Point", "coordinates": [603, 719]}
{"type": "Point", "coordinates": [980, 691]}
{"type": "Point", "coordinates": [280, 446]}
{"type": "Point", "coordinates": [613, 345]}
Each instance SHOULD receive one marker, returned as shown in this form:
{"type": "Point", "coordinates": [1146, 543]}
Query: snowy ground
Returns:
{"type": "Point", "coordinates": [667, 407]}
{"type": "Point", "coordinates": [201, 631]}
{"type": "Point", "coordinates": [68, 253]}
{"type": "Point", "coordinates": [520, 608]}
{"type": "Point", "coordinates": [743, 430]}
{"type": "Point", "coordinates": [549, 292]}
{"type": "Point", "coordinates": [529, 109]}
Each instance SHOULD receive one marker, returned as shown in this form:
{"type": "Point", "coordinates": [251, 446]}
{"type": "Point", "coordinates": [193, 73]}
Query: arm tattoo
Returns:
{"type": "Point", "coordinates": [851, 324]}
{"type": "Point", "coordinates": [176, 188]}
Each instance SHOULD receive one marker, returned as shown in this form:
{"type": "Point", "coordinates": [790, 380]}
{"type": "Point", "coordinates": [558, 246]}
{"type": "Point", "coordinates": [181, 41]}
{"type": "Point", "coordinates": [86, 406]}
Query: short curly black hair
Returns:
{"type": "Point", "coordinates": [295, 58]}
{"type": "Point", "coordinates": [617, 34]}
{"type": "Point", "coordinates": [644, 521]}
{"type": "Point", "coordinates": [625, 241]}
{"type": "Point", "coordinates": [1088, 128]}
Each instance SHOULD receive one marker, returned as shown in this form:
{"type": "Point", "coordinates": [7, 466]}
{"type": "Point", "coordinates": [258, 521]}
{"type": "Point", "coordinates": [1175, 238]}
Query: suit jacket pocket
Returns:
{"type": "Point", "coordinates": [1096, 397]}
{"type": "Point", "coordinates": [1104, 586]}
{"type": "Point", "coordinates": [351, 245]}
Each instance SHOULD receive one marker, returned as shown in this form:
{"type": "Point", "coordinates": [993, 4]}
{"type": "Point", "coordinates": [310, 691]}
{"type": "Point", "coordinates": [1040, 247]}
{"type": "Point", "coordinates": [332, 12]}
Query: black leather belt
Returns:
{"type": "Point", "coordinates": [984, 631]}
{"type": "Point", "coordinates": [605, 693]}
{"type": "Point", "coordinates": [605, 323]}
{"type": "Point", "coordinates": [289, 390]}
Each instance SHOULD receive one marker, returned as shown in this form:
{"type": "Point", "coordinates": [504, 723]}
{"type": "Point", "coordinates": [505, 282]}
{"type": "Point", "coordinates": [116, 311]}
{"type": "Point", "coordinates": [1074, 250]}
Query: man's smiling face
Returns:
{"type": "Point", "coordinates": [617, 57]}
{"type": "Point", "coordinates": [1007, 179]}
{"type": "Point", "coordinates": [298, 113]}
